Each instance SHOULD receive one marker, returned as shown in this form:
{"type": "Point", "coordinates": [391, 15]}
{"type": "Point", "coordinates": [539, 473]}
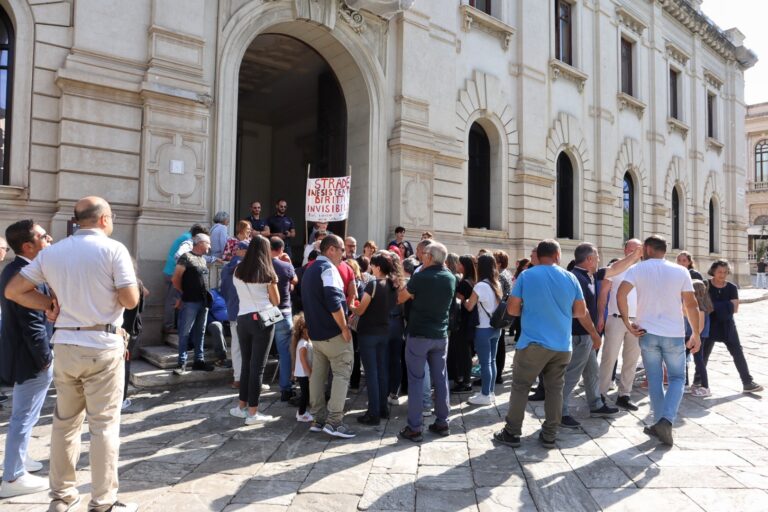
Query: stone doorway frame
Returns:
{"type": "Point", "coordinates": [362, 83]}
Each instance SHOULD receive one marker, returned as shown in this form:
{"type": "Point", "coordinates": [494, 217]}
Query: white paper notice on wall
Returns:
{"type": "Point", "coordinates": [740, 193]}
{"type": "Point", "coordinates": [177, 167]}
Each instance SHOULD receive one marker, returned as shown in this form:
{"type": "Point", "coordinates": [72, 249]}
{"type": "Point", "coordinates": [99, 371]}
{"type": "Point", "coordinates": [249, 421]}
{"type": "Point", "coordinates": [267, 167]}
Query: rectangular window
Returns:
{"type": "Point", "coordinates": [563, 32]}
{"type": "Point", "coordinates": [674, 99]}
{"type": "Point", "coordinates": [711, 115]}
{"type": "Point", "coordinates": [482, 5]}
{"type": "Point", "coordinates": [626, 67]}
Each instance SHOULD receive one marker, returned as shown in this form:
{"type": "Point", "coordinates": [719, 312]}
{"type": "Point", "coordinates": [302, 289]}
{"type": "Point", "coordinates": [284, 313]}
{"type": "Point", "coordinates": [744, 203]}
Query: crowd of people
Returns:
{"type": "Point", "coordinates": [410, 319]}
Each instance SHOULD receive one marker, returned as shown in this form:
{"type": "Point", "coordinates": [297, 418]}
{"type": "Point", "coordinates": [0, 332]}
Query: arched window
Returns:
{"type": "Point", "coordinates": [714, 223]}
{"type": "Point", "coordinates": [761, 161]}
{"type": "Point", "coordinates": [6, 82]}
{"type": "Point", "coordinates": [564, 197]}
{"type": "Point", "coordinates": [675, 219]}
{"type": "Point", "coordinates": [628, 206]}
{"type": "Point", "coordinates": [479, 179]}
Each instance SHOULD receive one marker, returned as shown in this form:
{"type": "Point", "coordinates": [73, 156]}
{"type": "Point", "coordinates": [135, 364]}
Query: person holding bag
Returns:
{"type": "Point", "coordinates": [256, 285]}
{"type": "Point", "coordinates": [486, 295]}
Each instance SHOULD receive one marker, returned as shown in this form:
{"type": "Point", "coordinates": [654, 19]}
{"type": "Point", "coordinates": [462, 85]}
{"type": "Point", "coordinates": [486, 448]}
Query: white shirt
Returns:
{"type": "Point", "coordinates": [85, 271]}
{"type": "Point", "coordinates": [253, 297]}
{"type": "Point", "coordinates": [298, 369]}
{"type": "Point", "coordinates": [486, 303]}
{"type": "Point", "coordinates": [659, 285]}
{"type": "Point", "coordinates": [613, 308]}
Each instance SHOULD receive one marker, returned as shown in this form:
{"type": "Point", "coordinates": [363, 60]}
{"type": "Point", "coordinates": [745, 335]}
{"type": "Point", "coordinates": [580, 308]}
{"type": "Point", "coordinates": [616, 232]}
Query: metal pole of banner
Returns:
{"type": "Point", "coordinates": [306, 231]}
{"type": "Point", "coordinates": [349, 173]}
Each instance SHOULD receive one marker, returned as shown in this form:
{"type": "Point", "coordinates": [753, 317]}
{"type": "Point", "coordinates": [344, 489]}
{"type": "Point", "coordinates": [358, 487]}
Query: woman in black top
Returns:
{"type": "Point", "coordinates": [685, 259]}
{"type": "Point", "coordinates": [725, 299]}
{"type": "Point", "coordinates": [460, 344]}
{"type": "Point", "coordinates": [379, 297]}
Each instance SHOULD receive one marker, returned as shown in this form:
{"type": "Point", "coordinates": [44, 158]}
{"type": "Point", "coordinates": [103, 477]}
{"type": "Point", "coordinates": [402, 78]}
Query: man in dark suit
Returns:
{"type": "Point", "coordinates": [25, 361]}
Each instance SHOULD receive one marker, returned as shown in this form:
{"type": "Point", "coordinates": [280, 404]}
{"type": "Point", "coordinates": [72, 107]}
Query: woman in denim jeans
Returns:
{"type": "Point", "coordinates": [486, 295]}
{"type": "Point", "coordinates": [379, 297]}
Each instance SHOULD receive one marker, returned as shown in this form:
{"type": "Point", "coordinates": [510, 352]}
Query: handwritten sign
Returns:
{"type": "Point", "coordinates": [328, 199]}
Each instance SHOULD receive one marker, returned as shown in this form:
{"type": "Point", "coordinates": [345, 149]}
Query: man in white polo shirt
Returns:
{"type": "Point", "coordinates": [663, 288]}
{"type": "Point", "coordinates": [94, 281]}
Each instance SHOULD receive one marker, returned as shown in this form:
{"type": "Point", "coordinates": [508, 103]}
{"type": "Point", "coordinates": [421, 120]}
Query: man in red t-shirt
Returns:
{"type": "Point", "coordinates": [348, 277]}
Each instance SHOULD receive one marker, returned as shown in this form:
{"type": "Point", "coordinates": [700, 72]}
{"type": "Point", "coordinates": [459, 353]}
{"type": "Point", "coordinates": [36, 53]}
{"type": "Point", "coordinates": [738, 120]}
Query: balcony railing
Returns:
{"type": "Point", "coordinates": [758, 185]}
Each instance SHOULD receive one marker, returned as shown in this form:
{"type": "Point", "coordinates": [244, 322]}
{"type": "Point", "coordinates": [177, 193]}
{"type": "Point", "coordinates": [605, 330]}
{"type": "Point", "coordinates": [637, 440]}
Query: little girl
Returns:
{"type": "Point", "coordinates": [301, 349]}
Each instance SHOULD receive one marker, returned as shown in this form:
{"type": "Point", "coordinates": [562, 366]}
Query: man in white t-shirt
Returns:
{"type": "Point", "coordinates": [663, 288]}
{"type": "Point", "coordinates": [617, 335]}
{"type": "Point", "coordinates": [94, 281]}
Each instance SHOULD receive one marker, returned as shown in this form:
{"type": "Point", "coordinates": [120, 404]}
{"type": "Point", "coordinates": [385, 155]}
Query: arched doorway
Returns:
{"type": "Point", "coordinates": [565, 197]}
{"type": "Point", "coordinates": [291, 118]}
{"type": "Point", "coordinates": [479, 179]}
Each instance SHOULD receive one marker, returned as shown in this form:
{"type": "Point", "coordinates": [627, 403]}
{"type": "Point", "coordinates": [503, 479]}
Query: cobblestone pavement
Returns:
{"type": "Point", "coordinates": [182, 451]}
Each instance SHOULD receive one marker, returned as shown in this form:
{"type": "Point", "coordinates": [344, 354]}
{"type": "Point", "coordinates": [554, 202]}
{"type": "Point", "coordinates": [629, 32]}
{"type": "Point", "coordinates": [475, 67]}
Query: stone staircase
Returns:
{"type": "Point", "coordinates": [155, 367]}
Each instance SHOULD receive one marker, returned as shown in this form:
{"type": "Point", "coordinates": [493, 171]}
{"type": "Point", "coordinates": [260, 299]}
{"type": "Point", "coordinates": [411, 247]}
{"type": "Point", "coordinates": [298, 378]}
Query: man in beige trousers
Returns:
{"type": "Point", "coordinates": [93, 279]}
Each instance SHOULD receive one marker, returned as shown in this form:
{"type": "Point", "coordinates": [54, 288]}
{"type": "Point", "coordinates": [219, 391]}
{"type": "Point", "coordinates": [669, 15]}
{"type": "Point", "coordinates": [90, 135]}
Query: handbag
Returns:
{"type": "Point", "coordinates": [354, 318]}
{"type": "Point", "coordinates": [267, 317]}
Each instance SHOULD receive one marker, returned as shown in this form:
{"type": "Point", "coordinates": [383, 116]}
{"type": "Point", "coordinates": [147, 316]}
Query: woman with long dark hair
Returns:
{"type": "Point", "coordinates": [725, 301]}
{"type": "Point", "coordinates": [460, 348]}
{"type": "Point", "coordinates": [256, 284]}
{"type": "Point", "coordinates": [379, 297]}
{"type": "Point", "coordinates": [486, 295]}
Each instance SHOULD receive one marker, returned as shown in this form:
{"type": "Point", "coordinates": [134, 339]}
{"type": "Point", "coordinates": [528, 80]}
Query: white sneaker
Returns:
{"type": "Point", "coordinates": [393, 400]}
{"type": "Point", "coordinates": [479, 399]}
{"type": "Point", "coordinates": [126, 404]}
{"type": "Point", "coordinates": [687, 390]}
{"type": "Point", "coordinates": [258, 418]}
{"type": "Point", "coordinates": [304, 418]}
{"type": "Point", "coordinates": [701, 392]}
{"type": "Point", "coordinates": [493, 397]}
{"type": "Point", "coordinates": [238, 412]}
{"type": "Point", "coordinates": [25, 484]}
{"type": "Point", "coordinates": [265, 387]}
{"type": "Point", "coordinates": [31, 465]}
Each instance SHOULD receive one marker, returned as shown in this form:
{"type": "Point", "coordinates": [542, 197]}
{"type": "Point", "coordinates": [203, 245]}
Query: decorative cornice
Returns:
{"type": "Point", "coordinates": [476, 18]}
{"type": "Point", "coordinates": [711, 34]}
{"type": "Point", "coordinates": [627, 101]}
{"type": "Point", "coordinates": [676, 53]}
{"type": "Point", "coordinates": [630, 20]}
{"type": "Point", "coordinates": [675, 125]}
{"type": "Point", "coordinates": [715, 144]}
{"type": "Point", "coordinates": [560, 68]}
{"type": "Point", "coordinates": [712, 79]}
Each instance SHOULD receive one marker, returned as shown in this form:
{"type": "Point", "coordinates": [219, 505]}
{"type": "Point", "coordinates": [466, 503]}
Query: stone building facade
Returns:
{"type": "Point", "coordinates": [757, 181]}
{"type": "Point", "coordinates": [491, 123]}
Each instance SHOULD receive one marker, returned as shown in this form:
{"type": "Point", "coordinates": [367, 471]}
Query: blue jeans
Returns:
{"type": "Point", "coordinates": [192, 318]}
{"type": "Point", "coordinates": [374, 355]}
{"type": "Point", "coordinates": [283, 342]}
{"type": "Point", "coordinates": [28, 398]}
{"type": "Point", "coordinates": [426, 396]}
{"type": "Point", "coordinates": [433, 352]}
{"type": "Point", "coordinates": [583, 361]}
{"type": "Point", "coordinates": [486, 345]}
{"type": "Point", "coordinates": [671, 351]}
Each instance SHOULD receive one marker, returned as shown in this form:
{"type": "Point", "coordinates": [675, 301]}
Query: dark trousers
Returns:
{"type": "Point", "coordinates": [132, 341]}
{"type": "Point", "coordinates": [460, 354]}
{"type": "Point", "coordinates": [254, 349]}
{"type": "Point", "coordinates": [304, 398]}
{"type": "Point", "coordinates": [733, 344]}
{"type": "Point", "coordinates": [501, 357]}
{"type": "Point", "coordinates": [701, 364]}
{"type": "Point", "coordinates": [374, 353]}
{"type": "Point", "coordinates": [354, 379]}
{"type": "Point", "coordinates": [396, 329]}
{"type": "Point", "coordinates": [430, 353]}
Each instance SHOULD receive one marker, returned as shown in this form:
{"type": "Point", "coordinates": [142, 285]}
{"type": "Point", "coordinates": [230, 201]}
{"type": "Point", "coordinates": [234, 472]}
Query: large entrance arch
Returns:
{"type": "Point", "coordinates": [361, 81]}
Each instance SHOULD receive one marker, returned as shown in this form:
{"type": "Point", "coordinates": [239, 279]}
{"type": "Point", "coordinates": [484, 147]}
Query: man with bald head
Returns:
{"type": "Point", "coordinates": [94, 281]}
{"type": "Point", "coordinates": [617, 335]}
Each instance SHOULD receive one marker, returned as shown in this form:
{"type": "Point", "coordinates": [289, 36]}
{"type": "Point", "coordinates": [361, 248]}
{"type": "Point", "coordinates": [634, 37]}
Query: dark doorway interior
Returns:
{"type": "Point", "coordinates": [564, 198]}
{"type": "Point", "coordinates": [291, 113]}
{"type": "Point", "coordinates": [479, 179]}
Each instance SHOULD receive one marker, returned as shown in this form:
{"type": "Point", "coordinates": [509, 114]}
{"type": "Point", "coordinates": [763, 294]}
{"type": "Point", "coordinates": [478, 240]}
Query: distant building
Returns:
{"type": "Point", "coordinates": [757, 179]}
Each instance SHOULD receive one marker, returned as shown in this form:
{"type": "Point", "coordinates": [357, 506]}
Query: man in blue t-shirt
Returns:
{"type": "Point", "coordinates": [549, 299]}
{"type": "Point", "coordinates": [281, 225]}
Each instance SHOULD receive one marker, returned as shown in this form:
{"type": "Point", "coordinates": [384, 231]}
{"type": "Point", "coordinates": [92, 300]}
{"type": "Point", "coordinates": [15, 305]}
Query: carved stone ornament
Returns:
{"type": "Point", "coordinates": [631, 20]}
{"type": "Point", "coordinates": [675, 125]}
{"type": "Point", "coordinates": [383, 8]}
{"type": "Point", "coordinates": [352, 17]}
{"type": "Point", "coordinates": [475, 18]}
{"type": "Point", "coordinates": [561, 69]}
{"type": "Point", "coordinates": [629, 102]}
{"type": "Point", "coordinates": [676, 53]}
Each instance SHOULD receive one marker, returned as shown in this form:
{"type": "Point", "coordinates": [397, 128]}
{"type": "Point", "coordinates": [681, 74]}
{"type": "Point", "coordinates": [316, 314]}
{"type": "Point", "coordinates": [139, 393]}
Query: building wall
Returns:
{"type": "Point", "coordinates": [108, 92]}
{"type": "Point", "coordinates": [757, 190]}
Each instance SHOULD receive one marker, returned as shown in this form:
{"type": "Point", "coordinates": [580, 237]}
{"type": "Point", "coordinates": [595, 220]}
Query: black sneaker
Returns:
{"type": "Point", "coordinates": [203, 366]}
{"type": "Point", "coordinates": [545, 442]}
{"type": "Point", "coordinates": [752, 387]}
{"type": "Point", "coordinates": [664, 431]}
{"type": "Point", "coordinates": [651, 431]}
{"type": "Point", "coordinates": [3, 398]}
{"type": "Point", "coordinates": [624, 402]}
{"type": "Point", "coordinates": [604, 412]}
{"type": "Point", "coordinates": [538, 396]}
{"type": "Point", "coordinates": [286, 395]}
{"type": "Point", "coordinates": [461, 388]}
{"type": "Point", "coordinates": [410, 435]}
{"type": "Point", "coordinates": [223, 363]}
{"type": "Point", "coordinates": [316, 426]}
{"type": "Point", "coordinates": [367, 419]}
{"type": "Point", "coordinates": [441, 430]}
{"type": "Point", "coordinates": [341, 430]}
{"type": "Point", "coordinates": [504, 437]}
{"type": "Point", "coordinates": [569, 422]}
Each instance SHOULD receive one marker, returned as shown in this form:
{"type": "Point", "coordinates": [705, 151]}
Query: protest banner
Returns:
{"type": "Point", "coordinates": [327, 199]}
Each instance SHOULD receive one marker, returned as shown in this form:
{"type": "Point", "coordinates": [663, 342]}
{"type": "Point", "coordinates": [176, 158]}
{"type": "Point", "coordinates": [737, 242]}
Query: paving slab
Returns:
{"type": "Point", "coordinates": [643, 500]}
{"type": "Point", "coordinates": [389, 492]}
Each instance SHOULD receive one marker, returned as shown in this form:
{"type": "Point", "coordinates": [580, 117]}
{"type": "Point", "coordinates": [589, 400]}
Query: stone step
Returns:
{"type": "Point", "coordinates": [172, 340]}
{"type": "Point", "coordinates": [145, 375]}
{"type": "Point", "coordinates": [165, 357]}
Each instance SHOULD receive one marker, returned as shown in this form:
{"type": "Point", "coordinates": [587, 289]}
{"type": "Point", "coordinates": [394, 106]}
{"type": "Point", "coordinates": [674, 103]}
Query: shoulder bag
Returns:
{"type": "Point", "coordinates": [499, 319]}
{"type": "Point", "coordinates": [267, 317]}
{"type": "Point", "coordinates": [354, 318]}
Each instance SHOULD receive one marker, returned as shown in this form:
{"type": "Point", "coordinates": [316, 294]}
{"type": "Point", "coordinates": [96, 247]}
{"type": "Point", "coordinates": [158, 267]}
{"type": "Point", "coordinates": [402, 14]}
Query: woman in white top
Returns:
{"type": "Point", "coordinates": [256, 285]}
{"type": "Point", "coordinates": [486, 295]}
